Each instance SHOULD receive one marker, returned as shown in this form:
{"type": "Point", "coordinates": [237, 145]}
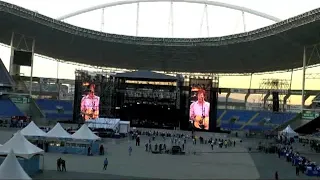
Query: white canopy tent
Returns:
{"type": "Point", "coordinates": [32, 130]}
{"type": "Point", "coordinates": [22, 147]}
{"type": "Point", "coordinates": [85, 133]}
{"type": "Point", "coordinates": [289, 132]}
{"type": "Point", "coordinates": [11, 168]}
{"type": "Point", "coordinates": [58, 132]}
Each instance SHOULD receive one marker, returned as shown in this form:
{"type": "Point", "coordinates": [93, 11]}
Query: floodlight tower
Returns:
{"type": "Point", "coordinates": [273, 85]}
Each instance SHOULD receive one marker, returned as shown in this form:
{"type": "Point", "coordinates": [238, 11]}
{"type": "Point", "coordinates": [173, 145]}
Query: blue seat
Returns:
{"type": "Point", "coordinates": [9, 109]}
{"type": "Point", "coordinates": [276, 118]}
{"type": "Point", "coordinates": [242, 115]}
{"type": "Point", "coordinates": [51, 109]}
{"type": "Point", "coordinates": [219, 112]}
{"type": "Point", "coordinates": [52, 105]}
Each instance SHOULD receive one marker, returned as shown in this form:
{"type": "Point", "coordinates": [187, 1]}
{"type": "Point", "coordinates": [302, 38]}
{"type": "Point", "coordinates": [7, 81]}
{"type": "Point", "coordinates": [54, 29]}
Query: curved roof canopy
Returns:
{"type": "Point", "coordinates": [213, 3]}
{"type": "Point", "coordinates": [272, 48]}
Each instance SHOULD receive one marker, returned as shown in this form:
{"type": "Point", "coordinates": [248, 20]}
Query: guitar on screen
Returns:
{"type": "Point", "coordinates": [90, 114]}
{"type": "Point", "coordinates": [201, 122]}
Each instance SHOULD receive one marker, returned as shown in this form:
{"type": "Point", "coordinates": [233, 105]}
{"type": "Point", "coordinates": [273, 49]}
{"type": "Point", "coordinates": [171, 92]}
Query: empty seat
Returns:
{"type": "Point", "coordinates": [274, 117]}
{"type": "Point", "coordinates": [242, 115]}
{"type": "Point", "coordinates": [53, 105]}
{"type": "Point", "coordinates": [56, 109]}
{"type": "Point", "coordinates": [9, 109]}
{"type": "Point", "coordinates": [271, 118]}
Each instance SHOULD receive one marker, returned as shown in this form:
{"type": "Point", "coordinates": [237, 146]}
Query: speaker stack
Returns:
{"type": "Point", "coordinates": [275, 100]}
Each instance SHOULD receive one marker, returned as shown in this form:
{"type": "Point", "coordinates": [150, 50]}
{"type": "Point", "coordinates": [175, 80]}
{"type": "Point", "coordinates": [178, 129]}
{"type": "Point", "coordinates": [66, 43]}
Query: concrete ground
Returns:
{"type": "Point", "coordinates": [221, 163]}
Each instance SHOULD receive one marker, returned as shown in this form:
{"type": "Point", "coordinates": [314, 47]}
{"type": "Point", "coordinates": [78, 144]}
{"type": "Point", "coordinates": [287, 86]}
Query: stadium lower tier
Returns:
{"type": "Point", "coordinates": [55, 109]}
{"type": "Point", "coordinates": [226, 119]}
{"type": "Point", "coordinates": [8, 108]}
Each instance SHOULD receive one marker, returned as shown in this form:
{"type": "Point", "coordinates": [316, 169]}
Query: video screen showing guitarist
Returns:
{"type": "Point", "coordinates": [199, 111]}
{"type": "Point", "coordinates": [90, 104]}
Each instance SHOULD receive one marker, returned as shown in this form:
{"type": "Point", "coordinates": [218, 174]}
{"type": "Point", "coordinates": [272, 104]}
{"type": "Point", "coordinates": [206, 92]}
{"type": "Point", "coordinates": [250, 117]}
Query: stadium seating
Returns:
{"type": "Point", "coordinates": [55, 109]}
{"type": "Point", "coordinates": [240, 115]}
{"type": "Point", "coordinates": [8, 108]}
{"type": "Point", "coordinates": [252, 120]}
{"type": "Point", "coordinates": [274, 118]}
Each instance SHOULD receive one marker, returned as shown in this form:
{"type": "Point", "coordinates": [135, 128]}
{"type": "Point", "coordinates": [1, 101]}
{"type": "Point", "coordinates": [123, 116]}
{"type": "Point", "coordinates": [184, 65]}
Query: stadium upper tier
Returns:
{"type": "Point", "coordinates": [272, 48]}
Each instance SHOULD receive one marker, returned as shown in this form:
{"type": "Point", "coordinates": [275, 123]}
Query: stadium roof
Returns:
{"type": "Point", "coordinates": [272, 48]}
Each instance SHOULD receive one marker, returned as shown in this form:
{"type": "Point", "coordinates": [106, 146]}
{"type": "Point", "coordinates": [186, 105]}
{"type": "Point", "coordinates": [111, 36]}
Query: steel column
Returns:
{"type": "Point", "coordinates": [171, 20]}
{"type": "Point", "coordinates": [250, 80]}
{"type": "Point", "coordinates": [244, 22]}
{"type": "Point", "coordinates": [207, 20]}
{"type": "Point", "coordinates": [291, 79]}
{"type": "Point", "coordinates": [57, 68]}
{"type": "Point", "coordinates": [32, 59]}
{"type": "Point", "coordinates": [102, 20]}
{"type": "Point", "coordinates": [303, 78]}
{"type": "Point", "coordinates": [137, 19]}
{"type": "Point", "coordinates": [11, 71]}
{"type": "Point", "coordinates": [58, 82]}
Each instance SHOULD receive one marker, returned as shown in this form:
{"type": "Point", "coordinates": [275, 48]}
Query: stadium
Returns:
{"type": "Point", "coordinates": [149, 84]}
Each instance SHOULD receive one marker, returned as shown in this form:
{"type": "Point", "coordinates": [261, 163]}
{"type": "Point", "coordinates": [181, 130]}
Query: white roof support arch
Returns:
{"type": "Point", "coordinates": [213, 3]}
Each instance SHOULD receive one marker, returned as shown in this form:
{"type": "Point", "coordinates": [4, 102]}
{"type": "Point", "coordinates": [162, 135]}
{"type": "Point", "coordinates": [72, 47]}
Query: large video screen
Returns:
{"type": "Point", "coordinates": [90, 102]}
{"type": "Point", "coordinates": [200, 103]}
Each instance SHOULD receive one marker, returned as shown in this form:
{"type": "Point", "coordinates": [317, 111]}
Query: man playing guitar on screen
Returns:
{"type": "Point", "coordinates": [199, 111]}
{"type": "Point", "coordinates": [90, 105]}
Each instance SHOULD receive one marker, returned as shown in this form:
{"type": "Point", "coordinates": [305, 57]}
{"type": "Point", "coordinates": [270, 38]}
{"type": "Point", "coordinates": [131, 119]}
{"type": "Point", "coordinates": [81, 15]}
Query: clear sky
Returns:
{"type": "Point", "coordinates": [154, 21]}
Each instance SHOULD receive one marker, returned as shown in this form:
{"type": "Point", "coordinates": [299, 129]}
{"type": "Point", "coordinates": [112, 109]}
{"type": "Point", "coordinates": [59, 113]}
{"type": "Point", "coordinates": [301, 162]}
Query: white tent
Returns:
{"type": "Point", "coordinates": [32, 130]}
{"type": "Point", "coordinates": [85, 133]}
{"type": "Point", "coordinates": [289, 132]}
{"type": "Point", "coordinates": [11, 168]}
{"type": "Point", "coordinates": [58, 132]}
{"type": "Point", "coordinates": [22, 147]}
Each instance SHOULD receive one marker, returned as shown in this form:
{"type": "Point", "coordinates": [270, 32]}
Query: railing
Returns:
{"type": "Point", "coordinates": [316, 99]}
{"type": "Point", "coordinates": [284, 125]}
{"type": "Point", "coordinates": [35, 106]}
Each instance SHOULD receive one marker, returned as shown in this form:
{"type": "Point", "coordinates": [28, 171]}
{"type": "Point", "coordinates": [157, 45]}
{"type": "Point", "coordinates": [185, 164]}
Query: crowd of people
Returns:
{"type": "Point", "coordinates": [158, 142]}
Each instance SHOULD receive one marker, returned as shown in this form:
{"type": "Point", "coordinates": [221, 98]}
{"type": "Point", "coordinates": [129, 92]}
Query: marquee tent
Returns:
{"type": "Point", "coordinates": [85, 133]}
{"type": "Point", "coordinates": [58, 132]}
{"type": "Point", "coordinates": [32, 130]}
{"type": "Point", "coordinates": [289, 132]}
{"type": "Point", "coordinates": [11, 168]}
{"type": "Point", "coordinates": [22, 147]}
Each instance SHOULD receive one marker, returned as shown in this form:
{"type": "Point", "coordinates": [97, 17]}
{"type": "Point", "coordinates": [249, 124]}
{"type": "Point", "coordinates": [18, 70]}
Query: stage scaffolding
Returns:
{"type": "Point", "coordinates": [273, 85]}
